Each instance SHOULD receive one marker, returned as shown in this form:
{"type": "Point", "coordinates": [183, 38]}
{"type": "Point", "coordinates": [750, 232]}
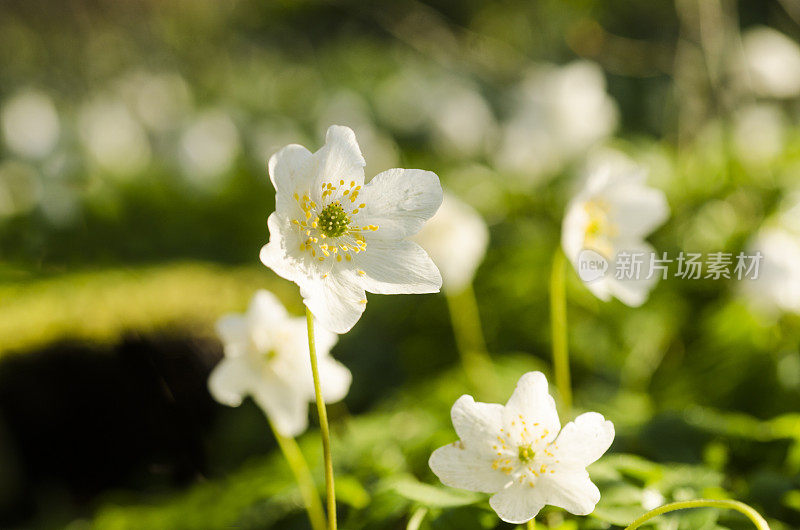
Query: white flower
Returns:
{"type": "Point", "coordinates": [611, 216]}
{"type": "Point", "coordinates": [337, 237]}
{"type": "Point", "coordinates": [517, 453]}
{"type": "Point", "coordinates": [456, 238]}
{"type": "Point", "coordinates": [266, 357]}
{"type": "Point", "coordinates": [777, 287]}
{"type": "Point", "coordinates": [560, 113]}
{"type": "Point", "coordinates": [772, 62]}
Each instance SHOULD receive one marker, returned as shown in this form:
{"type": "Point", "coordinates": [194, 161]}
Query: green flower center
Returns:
{"type": "Point", "coordinates": [333, 220]}
{"type": "Point", "coordinates": [526, 454]}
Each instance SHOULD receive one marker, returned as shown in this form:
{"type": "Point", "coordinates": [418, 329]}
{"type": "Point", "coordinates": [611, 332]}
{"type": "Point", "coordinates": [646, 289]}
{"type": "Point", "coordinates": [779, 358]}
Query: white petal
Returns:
{"type": "Point", "coordinates": [399, 201]}
{"type": "Point", "coordinates": [278, 255]}
{"type": "Point", "coordinates": [338, 160]}
{"type": "Point", "coordinates": [266, 308]}
{"type": "Point", "coordinates": [517, 504]}
{"type": "Point", "coordinates": [230, 380]}
{"type": "Point", "coordinates": [477, 424]}
{"type": "Point", "coordinates": [234, 334]}
{"type": "Point", "coordinates": [334, 378]}
{"type": "Point", "coordinates": [285, 405]}
{"type": "Point", "coordinates": [397, 267]}
{"type": "Point", "coordinates": [637, 210]}
{"type": "Point", "coordinates": [336, 301]}
{"type": "Point", "coordinates": [533, 404]}
{"type": "Point", "coordinates": [569, 489]}
{"type": "Point", "coordinates": [290, 169]}
{"type": "Point", "coordinates": [585, 439]}
{"type": "Point", "coordinates": [460, 468]}
{"type": "Point", "coordinates": [635, 290]}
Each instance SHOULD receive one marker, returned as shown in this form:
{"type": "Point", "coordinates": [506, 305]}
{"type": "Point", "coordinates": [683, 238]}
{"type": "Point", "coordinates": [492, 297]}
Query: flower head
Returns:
{"type": "Point", "coordinates": [456, 238]}
{"type": "Point", "coordinates": [266, 357]}
{"type": "Point", "coordinates": [337, 237]}
{"type": "Point", "coordinates": [611, 216]}
{"type": "Point", "coordinates": [516, 452]}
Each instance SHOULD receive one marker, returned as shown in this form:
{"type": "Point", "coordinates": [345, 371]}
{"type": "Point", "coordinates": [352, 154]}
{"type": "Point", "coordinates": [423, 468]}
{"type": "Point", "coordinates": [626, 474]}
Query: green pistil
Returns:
{"type": "Point", "coordinates": [333, 220]}
{"type": "Point", "coordinates": [526, 454]}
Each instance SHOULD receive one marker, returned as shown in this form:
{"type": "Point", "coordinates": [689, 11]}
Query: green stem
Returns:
{"type": "Point", "coordinates": [471, 344]}
{"type": "Point", "coordinates": [416, 519]}
{"type": "Point", "coordinates": [531, 524]}
{"type": "Point", "coordinates": [741, 507]}
{"type": "Point", "coordinates": [558, 328]}
{"type": "Point", "coordinates": [291, 451]}
{"type": "Point", "coordinates": [323, 424]}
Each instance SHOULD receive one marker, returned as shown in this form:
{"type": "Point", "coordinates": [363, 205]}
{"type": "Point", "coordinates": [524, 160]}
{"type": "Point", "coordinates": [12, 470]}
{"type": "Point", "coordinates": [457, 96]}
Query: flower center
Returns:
{"type": "Point", "coordinates": [333, 220]}
{"type": "Point", "coordinates": [526, 453]}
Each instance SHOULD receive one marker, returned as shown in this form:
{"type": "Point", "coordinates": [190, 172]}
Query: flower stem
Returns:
{"type": "Point", "coordinates": [471, 344]}
{"type": "Point", "coordinates": [741, 507]}
{"type": "Point", "coordinates": [558, 328]}
{"type": "Point", "coordinates": [323, 424]}
{"type": "Point", "coordinates": [531, 524]}
{"type": "Point", "coordinates": [302, 474]}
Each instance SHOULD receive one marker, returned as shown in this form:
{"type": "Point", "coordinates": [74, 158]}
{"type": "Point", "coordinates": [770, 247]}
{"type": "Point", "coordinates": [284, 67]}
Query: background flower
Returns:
{"type": "Point", "coordinates": [612, 215]}
{"type": "Point", "coordinates": [266, 357]}
{"type": "Point", "coordinates": [456, 238]}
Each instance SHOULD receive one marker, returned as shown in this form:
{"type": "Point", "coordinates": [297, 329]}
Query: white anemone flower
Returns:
{"type": "Point", "coordinates": [517, 453]}
{"type": "Point", "coordinates": [337, 237]}
{"type": "Point", "coordinates": [609, 219]}
{"type": "Point", "coordinates": [266, 357]}
{"type": "Point", "coordinates": [456, 238]}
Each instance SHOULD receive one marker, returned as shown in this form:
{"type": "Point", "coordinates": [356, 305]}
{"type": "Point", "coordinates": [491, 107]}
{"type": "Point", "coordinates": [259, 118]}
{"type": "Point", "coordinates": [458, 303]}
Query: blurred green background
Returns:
{"type": "Point", "coordinates": [134, 199]}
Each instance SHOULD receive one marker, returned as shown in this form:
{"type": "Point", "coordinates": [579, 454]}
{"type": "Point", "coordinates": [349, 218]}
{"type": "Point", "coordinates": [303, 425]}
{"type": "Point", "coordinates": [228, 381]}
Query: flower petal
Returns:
{"type": "Point", "coordinates": [632, 291]}
{"type": "Point", "coordinates": [585, 439]}
{"type": "Point", "coordinates": [517, 504]}
{"type": "Point", "coordinates": [230, 380]}
{"type": "Point", "coordinates": [334, 378]}
{"type": "Point", "coordinates": [459, 468]}
{"type": "Point", "coordinates": [286, 407]}
{"type": "Point", "coordinates": [277, 255]}
{"type": "Point", "coordinates": [234, 334]}
{"type": "Point", "coordinates": [336, 301]}
{"type": "Point", "coordinates": [266, 308]}
{"type": "Point", "coordinates": [636, 210]}
{"type": "Point", "coordinates": [532, 403]}
{"type": "Point", "coordinates": [477, 424]}
{"type": "Point", "coordinates": [571, 490]}
{"type": "Point", "coordinates": [340, 159]}
{"type": "Point", "coordinates": [399, 201]}
{"type": "Point", "coordinates": [290, 169]}
{"type": "Point", "coordinates": [397, 267]}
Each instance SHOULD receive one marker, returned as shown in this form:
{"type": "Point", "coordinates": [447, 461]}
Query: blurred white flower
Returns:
{"type": "Point", "coordinates": [463, 123]}
{"type": "Point", "coordinates": [266, 357]}
{"type": "Point", "coordinates": [337, 237]}
{"type": "Point", "coordinates": [516, 452]}
{"type": "Point", "coordinates": [612, 215]}
{"type": "Point", "coordinates": [208, 147]}
{"type": "Point", "coordinates": [759, 132]}
{"type": "Point", "coordinates": [772, 62]}
{"type": "Point", "coordinates": [30, 124]}
{"type": "Point", "coordinates": [560, 113]}
{"type": "Point", "coordinates": [456, 238]}
{"type": "Point", "coordinates": [161, 100]}
{"type": "Point", "coordinates": [777, 287]}
{"type": "Point", "coordinates": [113, 137]}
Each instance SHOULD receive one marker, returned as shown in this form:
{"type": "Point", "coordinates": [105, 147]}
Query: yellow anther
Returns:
{"type": "Point", "coordinates": [361, 273]}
